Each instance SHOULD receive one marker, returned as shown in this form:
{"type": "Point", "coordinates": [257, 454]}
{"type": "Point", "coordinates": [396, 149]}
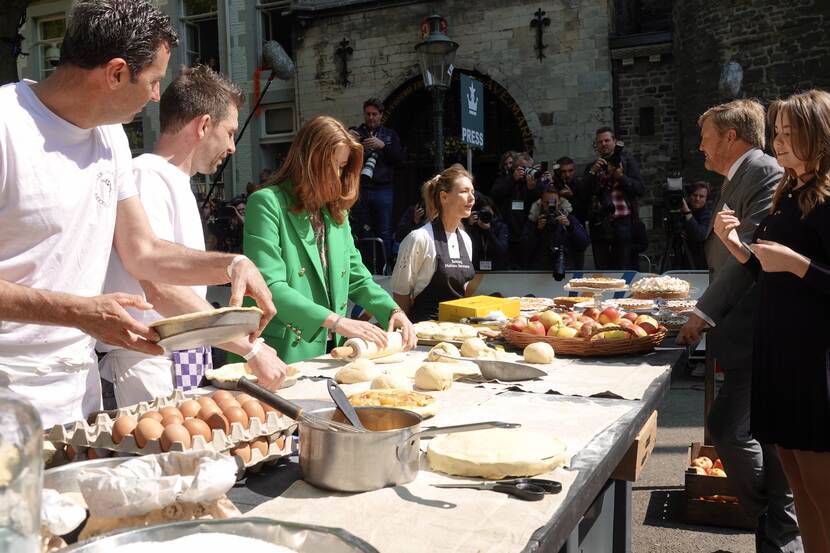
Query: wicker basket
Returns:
{"type": "Point", "coordinates": [590, 347]}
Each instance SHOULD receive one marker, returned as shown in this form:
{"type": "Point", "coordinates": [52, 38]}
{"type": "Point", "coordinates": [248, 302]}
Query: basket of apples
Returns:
{"type": "Point", "coordinates": [589, 333]}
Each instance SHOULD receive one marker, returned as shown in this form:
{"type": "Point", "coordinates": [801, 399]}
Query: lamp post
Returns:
{"type": "Point", "coordinates": [436, 53]}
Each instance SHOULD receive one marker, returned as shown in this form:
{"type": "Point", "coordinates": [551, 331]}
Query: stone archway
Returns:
{"type": "Point", "coordinates": [409, 112]}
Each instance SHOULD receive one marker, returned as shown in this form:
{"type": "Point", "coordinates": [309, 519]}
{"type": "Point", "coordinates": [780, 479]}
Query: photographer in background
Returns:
{"type": "Point", "coordinates": [571, 187]}
{"type": "Point", "coordinates": [697, 216]}
{"type": "Point", "coordinates": [553, 237]}
{"type": "Point", "coordinates": [513, 195]}
{"type": "Point", "coordinates": [489, 236]}
{"type": "Point", "coordinates": [614, 184]}
{"type": "Point", "coordinates": [372, 214]}
{"type": "Point", "coordinates": [413, 217]}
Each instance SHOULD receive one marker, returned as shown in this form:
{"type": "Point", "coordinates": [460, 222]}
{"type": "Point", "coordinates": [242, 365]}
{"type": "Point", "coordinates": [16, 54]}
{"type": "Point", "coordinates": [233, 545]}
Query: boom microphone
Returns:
{"type": "Point", "coordinates": [276, 58]}
{"type": "Point", "coordinates": [281, 66]}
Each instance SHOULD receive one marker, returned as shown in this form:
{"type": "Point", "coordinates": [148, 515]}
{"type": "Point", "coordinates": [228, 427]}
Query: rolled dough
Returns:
{"type": "Point", "coordinates": [496, 453]}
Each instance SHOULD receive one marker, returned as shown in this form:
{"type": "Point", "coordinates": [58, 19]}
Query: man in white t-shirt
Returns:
{"type": "Point", "coordinates": [67, 195]}
{"type": "Point", "coordinates": [198, 116]}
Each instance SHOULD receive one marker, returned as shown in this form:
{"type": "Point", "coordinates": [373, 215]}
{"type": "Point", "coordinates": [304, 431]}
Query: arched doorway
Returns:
{"type": "Point", "coordinates": [409, 113]}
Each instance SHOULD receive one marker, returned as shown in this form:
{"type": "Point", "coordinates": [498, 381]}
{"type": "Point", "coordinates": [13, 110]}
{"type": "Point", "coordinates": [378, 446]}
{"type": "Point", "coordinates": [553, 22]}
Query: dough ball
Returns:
{"type": "Point", "coordinates": [434, 376]}
{"type": "Point", "coordinates": [359, 370]}
{"type": "Point", "coordinates": [426, 329]}
{"type": "Point", "coordinates": [539, 352]}
{"type": "Point", "coordinates": [443, 347]}
{"type": "Point", "coordinates": [391, 382]}
{"type": "Point", "coordinates": [472, 347]}
{"type": "Point", "coordinates": [489, 353]}
{"type": "Point", "coordinates": [467, 331]}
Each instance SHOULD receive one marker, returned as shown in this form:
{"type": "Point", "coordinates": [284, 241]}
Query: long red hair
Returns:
{"type": "Point", "coordinates": [312, 167]}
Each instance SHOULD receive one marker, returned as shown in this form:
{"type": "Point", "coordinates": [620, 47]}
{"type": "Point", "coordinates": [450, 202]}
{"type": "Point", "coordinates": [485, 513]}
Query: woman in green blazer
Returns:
{"type": "Point", "coordinates": [297, 233]}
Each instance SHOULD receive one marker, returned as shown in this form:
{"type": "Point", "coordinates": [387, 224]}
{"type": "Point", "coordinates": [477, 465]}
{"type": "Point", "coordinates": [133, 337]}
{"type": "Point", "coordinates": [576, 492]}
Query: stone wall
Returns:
{"type": "Point", "coordinates": [564, 98]}
{"type": "Point", "coordinates": [782, 48]}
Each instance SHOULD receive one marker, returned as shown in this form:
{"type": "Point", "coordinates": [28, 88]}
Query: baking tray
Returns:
{"type": "Point", "coordinates": [303, 538]}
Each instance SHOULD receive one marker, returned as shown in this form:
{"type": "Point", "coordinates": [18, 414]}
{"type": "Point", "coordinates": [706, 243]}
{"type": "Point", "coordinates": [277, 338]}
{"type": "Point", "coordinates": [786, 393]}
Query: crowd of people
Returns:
{"type": "Point", "coordinates": [98, 246]}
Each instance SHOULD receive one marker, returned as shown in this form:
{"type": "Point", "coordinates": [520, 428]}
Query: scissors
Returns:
{"type": "Point", "coordinates": [527, 489]}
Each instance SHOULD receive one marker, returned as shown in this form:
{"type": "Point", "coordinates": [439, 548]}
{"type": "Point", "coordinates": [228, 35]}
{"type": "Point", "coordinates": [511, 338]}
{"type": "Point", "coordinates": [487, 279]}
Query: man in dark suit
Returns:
{"type": "Point", "coordinates": [732, 139]}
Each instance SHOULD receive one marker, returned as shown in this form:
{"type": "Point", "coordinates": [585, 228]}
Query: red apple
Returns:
{"type": "Point", "coordinates": [625, 323]}
{"type": "Point", "coordinates": [535, 327]}
{"type": "Point", "coordinates": [609, 315]}
{"type": "Point", "coordinates": [592, 312]}
{"type": "Point", "coordinates": [717, 464]}
{"type": "Point", "coordinates": [630, 316]}
{"type": "Point", "coordinates": [648, 323]}
{"type": "Point", "coordinates": [638, 330]}
{"type": "Point", "coordinates": [518, 324]}
{"type": "Point", "coordinates": [587, 329]}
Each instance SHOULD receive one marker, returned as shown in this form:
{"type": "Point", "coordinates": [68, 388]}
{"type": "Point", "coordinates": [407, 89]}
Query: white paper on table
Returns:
{"type": "Point", "coordinates": [153, 482]}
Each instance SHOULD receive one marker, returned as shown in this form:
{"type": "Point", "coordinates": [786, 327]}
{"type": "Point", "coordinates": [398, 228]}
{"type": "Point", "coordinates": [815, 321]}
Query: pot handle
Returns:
{"type": "Point", "coordinates": [430, 432]}
{"type": "Point", "coordinates": [407, 451]}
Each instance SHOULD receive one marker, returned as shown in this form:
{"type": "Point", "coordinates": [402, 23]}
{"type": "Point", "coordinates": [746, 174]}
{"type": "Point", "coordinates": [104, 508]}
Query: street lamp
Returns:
{"type": "Point", "coordinates": [436, 54]}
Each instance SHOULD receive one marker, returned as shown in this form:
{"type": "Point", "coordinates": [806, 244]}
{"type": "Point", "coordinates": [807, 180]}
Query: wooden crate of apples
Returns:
{"type": "Point", "coordinates": [592, 332]}
{"type": "Point", "coordinates": [710, 499]}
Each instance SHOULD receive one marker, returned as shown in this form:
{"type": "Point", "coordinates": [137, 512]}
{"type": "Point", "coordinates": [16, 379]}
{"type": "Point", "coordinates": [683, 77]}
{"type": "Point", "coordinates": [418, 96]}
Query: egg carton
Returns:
{"type": "Point", "coordinates": [279, 446]}
{"type": "Point", "coordinates": [99, 435]}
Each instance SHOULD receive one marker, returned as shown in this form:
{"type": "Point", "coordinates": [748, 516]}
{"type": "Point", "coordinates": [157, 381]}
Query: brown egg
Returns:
{"type": "Point", "coordinates": [217, 421]}
{"type": "Point", "coordinates": [254, 410]}
{"type": "Point", "coordinates": [236, 414]}
{"type": "Point", "coordinates": [206, 402]}
{"type": "Point", "coordinates": [71, 453]}
{"type": "Point", "coordinates": [261, 444]}
{"type": "Point", "coordinates": [172, 419]}
{"type": "Point", "coordinates": [280, 442]}
{"type": "Point", "coordinates": [171, 411]}
{"type": "Point", "coordinates": [243, 451]}
{"type": "Point", "coordinates": [221, 395]}
{"type": "Point", "coordinates": [148, 429]}
{"type": "Point", "coordinates": [228, 403]}
{"type": "Point", "coordinates": [155, 415]}
{"type": "Point", "coordinates": [98, 453]}
{"type": "Point", "coordinates": [189, 408]}
{"type": "Point", "coordinates": [175, 433]}
{"type": "Point", "coordinates": [198, 427]}
{"type": "Point", "coordinates": [123, 426]}
{"type": "Point", "coordinates": [243, 398]}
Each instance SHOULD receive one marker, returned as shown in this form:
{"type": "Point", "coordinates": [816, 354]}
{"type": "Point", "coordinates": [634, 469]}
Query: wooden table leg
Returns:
{"type": "Point", "coordinates": [708, 395]}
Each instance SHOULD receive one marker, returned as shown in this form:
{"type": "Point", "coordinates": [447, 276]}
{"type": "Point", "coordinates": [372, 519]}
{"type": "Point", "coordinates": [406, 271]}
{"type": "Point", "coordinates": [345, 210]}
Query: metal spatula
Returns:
{"type": "Point", "coordinates": [505, 371]}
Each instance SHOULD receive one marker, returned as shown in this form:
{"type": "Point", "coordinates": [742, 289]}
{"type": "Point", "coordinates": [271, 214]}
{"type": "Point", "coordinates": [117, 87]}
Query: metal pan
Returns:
{"type": "Point", "coordinates": [389, 455]}
{"type": "Point", "coordinates": [303, 538]}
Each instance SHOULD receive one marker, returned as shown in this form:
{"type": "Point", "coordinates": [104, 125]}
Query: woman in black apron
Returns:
{"type": "Point", "coordinates": [428, 253]}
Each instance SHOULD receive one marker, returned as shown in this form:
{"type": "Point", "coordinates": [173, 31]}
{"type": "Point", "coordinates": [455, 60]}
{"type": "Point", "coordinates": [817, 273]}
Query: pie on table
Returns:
{"type": "Point", "coordinates": [597, 282]}
{"type": "Point", "coordinates": [571, 301]}
{"type": "Point", "coordinates": [660, 287]}
{"type": "Point", "coordinates": [420, 403]}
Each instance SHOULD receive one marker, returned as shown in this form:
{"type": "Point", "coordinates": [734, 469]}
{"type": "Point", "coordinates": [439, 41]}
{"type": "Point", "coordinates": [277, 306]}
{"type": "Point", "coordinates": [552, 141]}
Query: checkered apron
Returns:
{"type": "Point", "coordinates": [189, 367]}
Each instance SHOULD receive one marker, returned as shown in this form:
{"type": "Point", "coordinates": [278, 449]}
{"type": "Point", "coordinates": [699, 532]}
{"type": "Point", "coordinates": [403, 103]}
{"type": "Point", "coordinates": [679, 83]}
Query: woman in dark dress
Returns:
{"type": "Point", "coordinates": [791, 257]}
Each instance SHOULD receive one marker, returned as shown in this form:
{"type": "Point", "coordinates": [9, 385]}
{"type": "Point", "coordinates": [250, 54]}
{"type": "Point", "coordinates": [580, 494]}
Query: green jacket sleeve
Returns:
{"type": "Point", "coordinates": [264, 240]}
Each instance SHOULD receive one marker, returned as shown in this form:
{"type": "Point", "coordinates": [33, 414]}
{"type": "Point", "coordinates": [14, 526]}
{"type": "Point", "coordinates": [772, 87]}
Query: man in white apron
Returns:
{"type": "Point", "coordinates": [67, 195]}
{"type": "Point", "coordinates": [198, 116]}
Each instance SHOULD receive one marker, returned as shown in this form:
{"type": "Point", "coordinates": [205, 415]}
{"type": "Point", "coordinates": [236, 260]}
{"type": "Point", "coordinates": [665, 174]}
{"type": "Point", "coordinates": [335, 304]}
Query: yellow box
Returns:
{"type": "Point", "coordinates": [476, 306]}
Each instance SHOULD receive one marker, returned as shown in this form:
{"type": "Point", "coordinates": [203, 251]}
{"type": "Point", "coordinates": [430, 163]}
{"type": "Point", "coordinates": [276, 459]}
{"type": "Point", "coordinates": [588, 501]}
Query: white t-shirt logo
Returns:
{"type": "Point", "coordinates": [104, 188]}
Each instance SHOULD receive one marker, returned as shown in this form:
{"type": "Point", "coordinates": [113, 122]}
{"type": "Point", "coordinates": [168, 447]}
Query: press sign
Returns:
{"type": "Point", "coordinates": [472, 112]}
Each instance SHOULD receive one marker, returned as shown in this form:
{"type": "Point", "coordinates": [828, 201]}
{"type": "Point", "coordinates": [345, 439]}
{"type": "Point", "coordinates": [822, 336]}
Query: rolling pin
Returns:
{"type": "Point", "coordinates": [356, 348]}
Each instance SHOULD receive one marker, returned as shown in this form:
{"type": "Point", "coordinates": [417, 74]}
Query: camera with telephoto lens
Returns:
{"type": "Point", "coordinates": [369, 163]}
{"type": "Point", "coordinates": [673, 203]}
{"type": "Point", "coordinates": [615, 158]}
{"type": "Point", "coordinates": [485, 217]}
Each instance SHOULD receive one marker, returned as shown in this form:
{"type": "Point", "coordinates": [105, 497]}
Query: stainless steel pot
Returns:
{"type": "Point", "coordinates": [359, 462]}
